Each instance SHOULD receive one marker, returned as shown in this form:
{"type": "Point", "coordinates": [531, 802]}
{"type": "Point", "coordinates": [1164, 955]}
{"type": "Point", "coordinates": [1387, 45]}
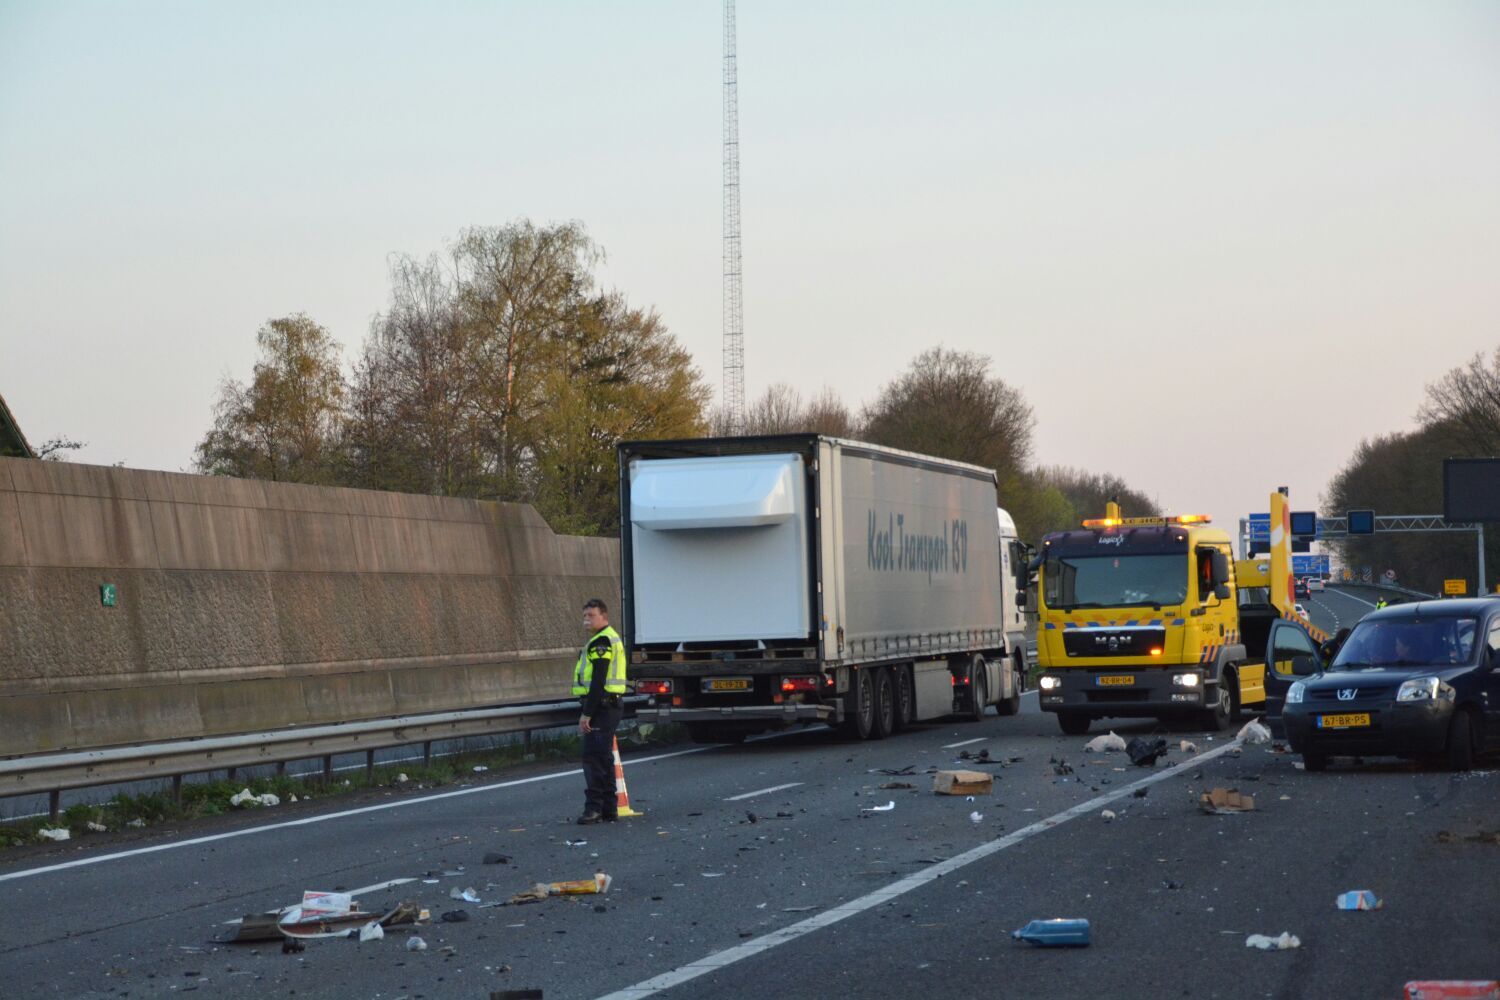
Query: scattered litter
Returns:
{"type": "Point", "coordinates": [292, 799]}
{"type": "Point", "coordinates": [581, 887]}
{"type": "Point", "coordinates": [751, 818]}
{"type": "Point", "coordinates": [1254, 732]}
{"type": "Point", "coordinates": [798, 909]}
{"type": "Point", "coordinates": [962, 783]}
{"type": "Point", "coordinates": [299, 922]}
{"type": "Point", "coordinates": [1286, 798]}
{"type": "Point", "coordinates": [454, 916]}
{"type": "Point", "coordinates": [1169, 884]}
{"type": "Point", "coordinates": [496, 858]}
{"type": "Point", "coordinates": [371, 932]}
{"type": "Point", "coordinates": [1061, 766]}
{"type": "Point", "coordinates": [467, 895]}
{"type": "Point", "coordinates": [55, 833]}
{"type": "Point", "coordinates": [900, 772]}
{"type": "Point", "coordinates": [898, 785]}
{"type": "Point", "coordinates": [1143, 752]}
{"type": "Point", "coordinates": [97, 827]}
{"type": "Point", "coordinates": [291, 946]}
{"type": "Point", "coordinates": [1104, 744]}
{"type": "Point", "coordinates": [712, 874]}
{"type": "Point", "coordinates": [535, 894]}
{"type": "Point", "coordinates": [880, 809]}
{"type": "Point", "coordinates": [1066, 933]}
{"type": "Point", "coordinates": [1108, 815]}
{"type": "Point", "coordinates": [576, 843]}
{"type": "Point", "coordinates": [1226, 802]}
{"type": "Point", "coordinates": [1187, 746]}
{"type": "Point", "coordinates": [480, 769]}
{"type": "Point", "coordinates": [976, 817]}
{"type": "Point", "coordinates": [415, 943]}
{"type": "Point", "coordinates": [401, 778]}
{"type": "Point", "coordinates": [1358, 899]}
{"type": "Point", "coordinates": [979, 757]}
{"type": "Point", "coordinates": [326, 904]}
{"type": "Point", "coordinates": [1285, 941]}
{"type": "Point", "coordinates": [1453, 989]}
{"type": "Point", "coordinates": [136, 823]}
{"type": "Point", "coordinates": [246, 797]}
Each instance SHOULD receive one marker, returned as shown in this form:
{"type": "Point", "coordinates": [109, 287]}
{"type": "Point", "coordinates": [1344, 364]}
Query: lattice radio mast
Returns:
{"type": "Point", "coordinates": [734, 316]}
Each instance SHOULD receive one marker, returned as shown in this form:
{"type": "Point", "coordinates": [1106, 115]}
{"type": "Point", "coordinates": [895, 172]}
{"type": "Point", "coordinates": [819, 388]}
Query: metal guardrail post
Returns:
{"type": "Point", "coordinates": [54, 804]}
{"type": "Point", "coordinates": [370, 765]}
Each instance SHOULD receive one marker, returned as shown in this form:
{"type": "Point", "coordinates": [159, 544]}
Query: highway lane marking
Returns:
{"type": "Point", "coordinates": [977, 739]}
{"type": "Point", "coordinates": [1368, 604]}
{"type": "Point", "coordinates": [310, 820]}
{"type": "Point", "coordinates": [763, 791]}
{"type": "Point", "coordinates": [388, 883]}
{"type": "Point", "coordinates": [720, 959]}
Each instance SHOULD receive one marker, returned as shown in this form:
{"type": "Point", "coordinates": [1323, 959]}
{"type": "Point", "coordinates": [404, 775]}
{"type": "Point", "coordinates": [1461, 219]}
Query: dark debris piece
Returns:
{"type": "Point", "coordinates": [1143, 752]}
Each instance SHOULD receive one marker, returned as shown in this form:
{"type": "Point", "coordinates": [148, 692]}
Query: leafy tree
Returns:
{"type": "Point", "coordinates": [1088, 492]}
{"type": "Point", "coordinates": [286, 423]}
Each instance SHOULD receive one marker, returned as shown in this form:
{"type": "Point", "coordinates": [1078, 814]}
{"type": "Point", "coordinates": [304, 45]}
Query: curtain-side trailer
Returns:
{"type": "Point", "coordinates": [771, 581]}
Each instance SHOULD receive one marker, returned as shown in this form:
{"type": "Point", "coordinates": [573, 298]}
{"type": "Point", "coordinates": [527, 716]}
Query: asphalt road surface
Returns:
{"type": "Point", "coordinates": [765, 870]}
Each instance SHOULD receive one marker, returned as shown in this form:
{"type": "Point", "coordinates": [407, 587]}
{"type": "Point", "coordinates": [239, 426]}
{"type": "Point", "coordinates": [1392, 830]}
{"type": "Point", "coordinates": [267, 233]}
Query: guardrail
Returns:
{"type": "Point", "coordinates": [52, 774]}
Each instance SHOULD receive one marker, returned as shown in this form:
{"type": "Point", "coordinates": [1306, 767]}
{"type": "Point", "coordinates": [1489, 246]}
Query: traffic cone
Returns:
{"type": "Point", "coordinates": [622, 797]}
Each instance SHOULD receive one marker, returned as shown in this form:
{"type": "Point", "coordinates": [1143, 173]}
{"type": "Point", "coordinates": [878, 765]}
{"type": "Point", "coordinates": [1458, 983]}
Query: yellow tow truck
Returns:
{"type": "Point", "coordinates": [1153, 617]}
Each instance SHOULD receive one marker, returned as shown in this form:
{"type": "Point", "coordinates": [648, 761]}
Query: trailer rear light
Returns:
{"type": "Point", "coordinates": [792, 684]}
{"type": "Point", "coordinates": [828, 680]}
{"type": "Point", "coordinates": [653, 687]}
{"type": "Point", "coordinates": [956, 681]}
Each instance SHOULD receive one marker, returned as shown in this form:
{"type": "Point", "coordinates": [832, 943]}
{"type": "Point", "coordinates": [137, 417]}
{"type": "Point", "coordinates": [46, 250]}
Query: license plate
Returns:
{"type": "Point", "coordinates": [1115, 680]}
{"type": "Point", "coordinates": [1351, 721]}
{"type": "Point", "coordinates": [727, 684]}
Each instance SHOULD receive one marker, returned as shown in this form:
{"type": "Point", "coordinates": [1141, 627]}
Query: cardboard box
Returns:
{"type": "Point", "coordinates": [1222, 801]}
{"type": "Point", "coordinates": [963, 783]}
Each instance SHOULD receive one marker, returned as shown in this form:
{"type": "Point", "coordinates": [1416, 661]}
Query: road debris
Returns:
{"type": "Point", "coordinates": [454, 916]}
{"type": "Point", "coordinates": [880, 809]}
{"type": "Point", "coordinates": [466, 895]}
{"type": "Point", "coordinates": [415, 943]}
{"type": "Point", "coordinates": [1284, 942]}
{"type": "Point", "coordinates": [1482, 837]}
{"type": "Point", "coordinates": [326, 904]}
{"type": "Point", "coordinates": [1358, 899]}
{"type": "Point", "coordinates": [54, 833]}
{"type": "Point", "coordinates": [962, 783]}
{"type": "Point", "coordinates": [1141, 793]}
{"type": "Point", "coordinates": [401, 778]}
{"type": "Point", "coordinates": [1060, 766]}
{"type": "Point", "coordinates": [96, 827]}
{"type": "Point", "coordinates": [1226, 802]}
{"type": "Point", "coordinates": [1253, 732]}
{"type": "Point", "coordinates": [136, 823]}
{"type": "Point", "coordinates": [295, 922]}
{"type": "Point", "coordinates": [1187, 746]}
{"type": "Point", "coordinates": [898, 786]}
{"type": "Point", "coordinates": [1062, 933]}
{"type": "Point", "coordinates": [245, 797]}
{"type": "Point", "coordinates": [976, 817]}
{"type": "Point", "coordinates": [1108, 743]}
{"type": "Point", "coordinates": [899, 772]}
{"type": "Point", "coordinates": [1108, 815]}
{"type": "Point", "coordinates": [1453, 989]}
{"type": "Point", "coordinates": [480, 769]}
{"type": "Point", "coordinates": [496, 858]}
{"type": "Point", "coordinates": [576, 843]}
{"type": "Point", "coordinates": [1143, 752]}
{"type": "Point", "coordinates": [978, 756]}
{"type": "Point", "coordinates": [371, 932]}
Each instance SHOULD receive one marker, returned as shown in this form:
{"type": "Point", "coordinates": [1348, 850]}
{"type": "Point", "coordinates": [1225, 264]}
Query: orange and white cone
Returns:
{"type": "Point", "coordinates": [622, 797]}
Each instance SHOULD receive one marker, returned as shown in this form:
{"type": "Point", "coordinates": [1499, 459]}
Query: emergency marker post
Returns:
{"type": "Point", "coordinates": [622, 797]}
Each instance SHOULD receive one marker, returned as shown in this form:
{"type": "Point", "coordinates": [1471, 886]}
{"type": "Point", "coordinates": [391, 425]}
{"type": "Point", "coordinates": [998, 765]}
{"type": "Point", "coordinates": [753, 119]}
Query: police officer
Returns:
{"type": "Point", "coordinates": [599, 680]}
{"type": "Point", "coordinates": [1380, 603]}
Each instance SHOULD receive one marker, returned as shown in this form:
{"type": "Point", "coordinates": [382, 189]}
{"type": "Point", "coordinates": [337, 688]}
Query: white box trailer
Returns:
{"type": "Point", "coordinates": [768, 581]}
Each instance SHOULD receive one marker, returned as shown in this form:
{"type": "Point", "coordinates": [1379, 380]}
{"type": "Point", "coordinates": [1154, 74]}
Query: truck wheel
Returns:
{"type": "Point", "coordinates": [885, 705]}
{"type": "Point", "coordinates": [859, 715]}
{"type": "Point", "coordinates": [906, 709]}
{"type": "Point", "coordinates": [1461, 742]}
{"type": "Point", "coordinates": [1073, 723]}
{"type": "Point", "coordinates": [1012, 705]}
{"type": "Point", "coordinates": [1216, 718]}
{"type": "Point", "coordinates": [979, 690]}
{"type": "Point", "coordinates": [1232, 678]}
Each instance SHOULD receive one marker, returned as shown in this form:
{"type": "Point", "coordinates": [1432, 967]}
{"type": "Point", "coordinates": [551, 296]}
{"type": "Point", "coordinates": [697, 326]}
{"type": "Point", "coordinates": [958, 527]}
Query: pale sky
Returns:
{"type": "Point", "coordinates": [1215, 244]}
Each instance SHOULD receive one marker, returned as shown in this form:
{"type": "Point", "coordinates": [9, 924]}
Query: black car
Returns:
{"type": "Point", "coordinates": [1420, 680]}
{"type": "Point", "coordinates": [1300, 587]}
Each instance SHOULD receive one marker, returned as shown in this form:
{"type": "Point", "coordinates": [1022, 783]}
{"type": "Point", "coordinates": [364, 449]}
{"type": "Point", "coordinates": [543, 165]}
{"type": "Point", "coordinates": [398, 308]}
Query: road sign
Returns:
{"type": "Point", "coordinates": [108, 595]}
{"type": "Point", "coordinates": [1361, 522]}
{"type": "Point", "coordinates": [1311, 564]}
{"type": "Point", "coordinates": [1305, 523]}
{"type": "Point", "coordinates": [1455, 588]}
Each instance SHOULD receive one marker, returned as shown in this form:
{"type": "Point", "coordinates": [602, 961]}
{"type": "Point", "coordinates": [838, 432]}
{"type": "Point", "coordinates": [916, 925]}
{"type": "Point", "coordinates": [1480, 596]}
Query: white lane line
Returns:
{"type": "Point", "coordinates": [964, 743]}
{"type": "Point", "coordinates": [311, 820]}
{"type": "Point", "coordinates": [720, 959]}
{"type": "Point", "coordinates": [1368, 604]}
{"type": "Point", "coordinates": [763, 791]}
{"type": "Point", "coordinates": [1031, 691]}
{"type": "Point", "coordinates": [353, 892]}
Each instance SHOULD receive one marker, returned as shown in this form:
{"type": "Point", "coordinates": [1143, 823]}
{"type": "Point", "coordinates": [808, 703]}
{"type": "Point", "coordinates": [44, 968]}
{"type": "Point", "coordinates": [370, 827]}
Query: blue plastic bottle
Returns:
{"type": "Point", "coordinates": [1055, 933]}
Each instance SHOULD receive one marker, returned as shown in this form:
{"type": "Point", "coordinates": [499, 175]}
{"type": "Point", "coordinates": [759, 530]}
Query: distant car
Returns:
{"type": "Point", "coordinates": [1301, 612]}
{"type": "Point", "coordinates": [1415, 681]}
{"type": "Point", "coordinates": [1316, 583]}
{"type": "Point", "coordinates": [1300, 587]}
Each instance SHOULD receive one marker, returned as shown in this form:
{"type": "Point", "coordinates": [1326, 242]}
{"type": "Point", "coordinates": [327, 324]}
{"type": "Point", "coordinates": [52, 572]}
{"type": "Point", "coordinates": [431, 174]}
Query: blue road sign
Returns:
{"type": "Point", "coordinates": [1310, 564]}
{"type": "Point", "coordinates": [1260, 527]}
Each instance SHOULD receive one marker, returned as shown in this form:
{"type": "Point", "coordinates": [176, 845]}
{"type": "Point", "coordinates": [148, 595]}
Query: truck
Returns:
{"type": "Point", "coordinates": [1152, 617]}
{"type": "Point", "coordinates": [785, 580]}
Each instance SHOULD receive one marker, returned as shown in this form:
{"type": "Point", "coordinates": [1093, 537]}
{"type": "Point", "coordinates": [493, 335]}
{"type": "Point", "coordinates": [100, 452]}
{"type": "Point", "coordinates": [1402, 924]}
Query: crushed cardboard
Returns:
{"type": "Point", "coordinates": [1226, 802]}
{"type": "Point", "coordinates": [962, 783]}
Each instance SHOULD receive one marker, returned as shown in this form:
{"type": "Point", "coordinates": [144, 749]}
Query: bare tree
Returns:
{"type": "Point", "coordinates": [1468, 398]}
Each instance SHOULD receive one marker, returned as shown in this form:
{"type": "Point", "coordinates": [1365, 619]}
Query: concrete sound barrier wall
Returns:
{"type": "Point", "coordinates": [241, 605]}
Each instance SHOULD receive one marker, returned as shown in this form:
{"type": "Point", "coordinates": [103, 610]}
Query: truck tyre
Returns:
{"type": "Point", "coordinates": [859, 714]}
{"type": "Point", "coordinates": [1216, 717]}
{"type": "Point", "coordinates": [906, 708]}
{"type": "Point", "coordinates": [1073, 723]}
{"type": "Point", "coordinates": [979, 690]}
{"type": "Point", "coordinates": [714, 732]}
{"type": "Point", "coordinates": [1012, 705]}
{"type": "Point", "coordinates": [1232, 678]}
{"type": "Point", "coordinates": [885, 705]}
{"type": "Point", "coordinates": [1461, 742]}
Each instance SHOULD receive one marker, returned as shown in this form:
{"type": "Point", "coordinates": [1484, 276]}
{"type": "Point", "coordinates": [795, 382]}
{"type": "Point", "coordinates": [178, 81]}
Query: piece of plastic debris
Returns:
{"type": "Point", "coordinates": [292, 799]}
{"type": "Point", "coordinates": [1143, 752]}
{"type": "Point", "coordinates": [136, 823]}
{"type": "Point", "coordinates": [415, 943]}
{"type": "Point", "coordinates": [295, 922]}
{"type": "Point", "coordinates": [97, 827]}
{"type": "Point", "coordinates": [712, 874]}
{"type": "Point", "coordinates": [581, 887]}
{"type": "Point", "coordinates": [454, 916]}
{"type": "Point", "coordinates": [576, 843]}
{"type": "Point", "coordinates": [1285, 941]}
{"type": "Point", "coordinates": [1358, 899]}
{"type": "Point", "coordinates": [976, 817]}
{"type": "Point", "coordinates": [1107, 815]}
{"type": "Point", "coordinates": [1225, 802]}
{"type": "Point", "coordinates": [1062, 933]}
{"type": "Point", "coordinates": [245, 797]}
{"type": "Point", "coordinates": [466, 895]}
{"type": "Point", "coordinates": [880, 809]}
{"type": "Point", "coordinates": [1108, 743]}
{"type": "Point", "coordinates": [371, 932]}
{"type": "Point", "coordinates": [326, 904]}
{"type": "Point", "coordinates": [1254, 732]}
{"type": "Point", "coordinates": [480, 769]}
{"type": "Point", "coordinates": [1187, 746]}
{"type": "Point", "coordinates": [401, 778]}
{"type": "Point", "coordinates": [54, 833]}
{"type": "Point", "coordinates": [1452, 989]}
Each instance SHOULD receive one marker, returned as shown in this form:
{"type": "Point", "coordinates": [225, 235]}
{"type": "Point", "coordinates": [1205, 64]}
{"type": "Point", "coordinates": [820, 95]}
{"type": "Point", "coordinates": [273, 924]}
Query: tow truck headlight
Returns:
{"type": "Point", "coordinates": [1294, 693]}
{"type": "Point", "coordinates": [1189, 680]}
{"type": "Point", "coordinates": [1418, 689]}
{"type": "Point", "coordinates": [1049, 683]}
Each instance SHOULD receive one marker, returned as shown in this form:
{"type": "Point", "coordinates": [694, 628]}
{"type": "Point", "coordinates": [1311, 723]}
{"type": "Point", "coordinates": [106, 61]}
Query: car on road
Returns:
{"type": "Point", "coordinates": [1314, 584]}
{"type": "Point", "coordinates": [1301, 612]}
{"type": "Point", "coordinates": [1417, 681]}
{"type": "Point", "coordinates": [1300, 587]}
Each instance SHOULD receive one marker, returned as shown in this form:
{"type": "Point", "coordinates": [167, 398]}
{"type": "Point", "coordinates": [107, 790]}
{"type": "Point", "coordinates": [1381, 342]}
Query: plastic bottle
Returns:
{"type": "Point", "coordinates": [1070, 933]}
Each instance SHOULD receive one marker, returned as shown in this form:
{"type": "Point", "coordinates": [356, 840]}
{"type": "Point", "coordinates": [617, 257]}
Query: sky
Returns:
{"type": "Point", "coordinates": [1215, 245]}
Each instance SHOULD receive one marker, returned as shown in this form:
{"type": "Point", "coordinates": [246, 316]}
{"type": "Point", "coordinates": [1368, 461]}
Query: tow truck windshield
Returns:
{"type": "Point", "coordinates": [1114, 581]}
{"type": "Point", "coordinates": [1408, 642]}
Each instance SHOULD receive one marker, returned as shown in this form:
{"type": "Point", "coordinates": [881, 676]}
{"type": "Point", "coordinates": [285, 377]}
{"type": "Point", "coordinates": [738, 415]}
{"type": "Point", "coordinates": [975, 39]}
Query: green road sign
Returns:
{"type": "Point", "coordinates": [108, 595]}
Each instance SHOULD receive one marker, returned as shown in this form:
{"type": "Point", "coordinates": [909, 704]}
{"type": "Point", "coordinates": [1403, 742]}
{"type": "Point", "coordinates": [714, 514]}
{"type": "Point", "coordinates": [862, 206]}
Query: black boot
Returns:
{"type": "Point", "coordinates": [590, 818]}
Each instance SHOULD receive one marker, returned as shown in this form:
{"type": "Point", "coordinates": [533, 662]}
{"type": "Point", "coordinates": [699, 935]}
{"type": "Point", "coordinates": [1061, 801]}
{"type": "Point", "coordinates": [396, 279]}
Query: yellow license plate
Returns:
{"type": "Point", "coordinates": [1115, 680]}
{"type": "Point", "coordinates": [1351, 721]}
{"type": "Point", "coordinates": [727, 684]}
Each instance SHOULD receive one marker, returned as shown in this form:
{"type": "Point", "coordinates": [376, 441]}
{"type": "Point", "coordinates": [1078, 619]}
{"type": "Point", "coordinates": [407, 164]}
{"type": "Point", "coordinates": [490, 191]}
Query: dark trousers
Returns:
{"type": "Point", "coordinates": [599, 762]}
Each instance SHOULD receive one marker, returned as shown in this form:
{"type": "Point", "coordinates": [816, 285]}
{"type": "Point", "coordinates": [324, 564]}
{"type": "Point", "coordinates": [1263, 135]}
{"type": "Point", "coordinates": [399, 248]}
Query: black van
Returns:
{"type": "Point", "coordinates": [1419, 680]}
